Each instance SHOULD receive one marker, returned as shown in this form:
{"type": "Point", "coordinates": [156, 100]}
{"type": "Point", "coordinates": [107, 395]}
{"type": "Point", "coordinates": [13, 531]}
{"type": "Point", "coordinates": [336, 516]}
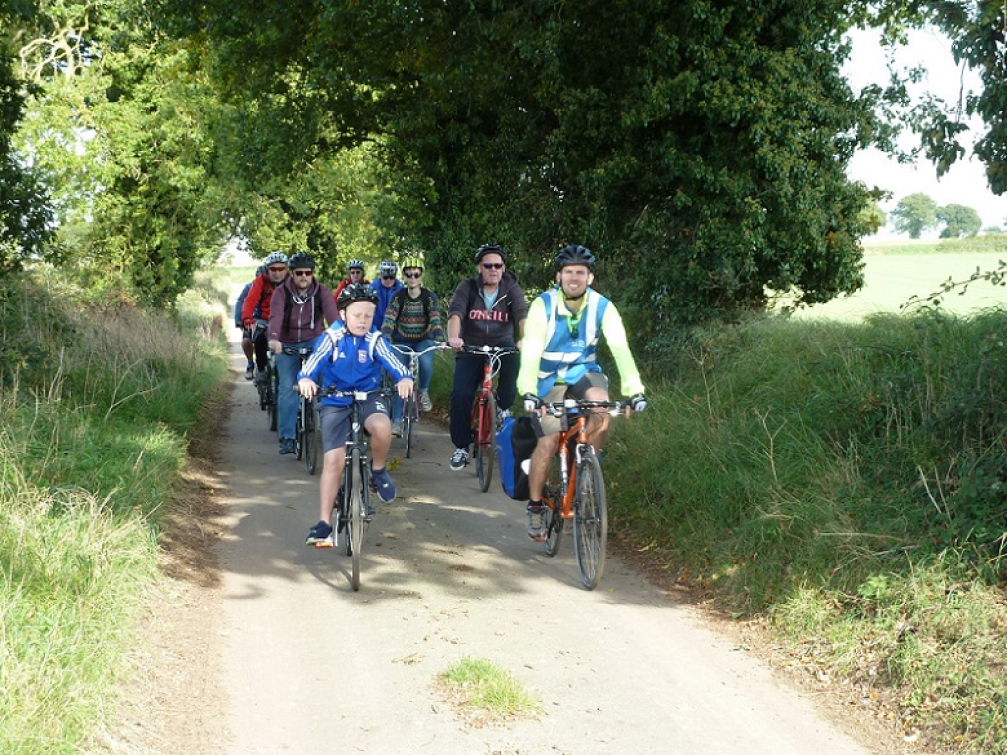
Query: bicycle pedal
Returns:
{"type": "Point", "coordinates": [328, 542]}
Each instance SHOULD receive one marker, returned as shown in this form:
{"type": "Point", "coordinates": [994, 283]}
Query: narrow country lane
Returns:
{"type": "Point", "coordinates": [312, 667]}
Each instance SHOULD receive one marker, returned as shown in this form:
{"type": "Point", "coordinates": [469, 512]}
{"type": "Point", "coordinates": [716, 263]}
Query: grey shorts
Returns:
{"type": "Point", "coordinates": [334, 421]}
{"type": "Point", "coordinates": [550, 425]}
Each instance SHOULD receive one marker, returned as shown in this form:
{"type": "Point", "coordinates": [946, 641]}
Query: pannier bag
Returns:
{"type": "Point", "coordinates": [515, 443]}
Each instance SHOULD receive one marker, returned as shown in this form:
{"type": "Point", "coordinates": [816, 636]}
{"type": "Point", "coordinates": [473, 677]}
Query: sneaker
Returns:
{"type": "Point", "coordinates": [536, 523]}
{"type": "Point", "coordinates": [260, 377]}
{"type": "Point", "coordinates": [425, 403]}
{"type": "Point", "coordinates": [397, 428]}
{"type": "Point", "coordinates": [286, 446]}
{"type": "Point", "coordinates": [320, 536]}
{"type": "Point", "coordinates": [502, 415]}
{"type": "Point", "coordinates": [249, 371]}
{"type": "Point", "coordinates": [383, 484]}
{"type": "Point", "coordinates": [459, 459]}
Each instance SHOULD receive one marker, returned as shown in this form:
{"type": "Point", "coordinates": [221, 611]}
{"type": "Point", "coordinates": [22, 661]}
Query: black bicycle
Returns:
{"type": "Point", "coordinates": [411, 405]}
{"type": "Point", "coordinates": [353, 502]}
{"type": "Point", "coordinates": [306, 432]}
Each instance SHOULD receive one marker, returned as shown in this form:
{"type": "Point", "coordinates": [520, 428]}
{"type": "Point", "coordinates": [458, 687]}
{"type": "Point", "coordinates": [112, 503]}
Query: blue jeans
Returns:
{"type": "Point", "coordinates": [421, 381]}
{"type": "Point", "coordinates": [287, 367]}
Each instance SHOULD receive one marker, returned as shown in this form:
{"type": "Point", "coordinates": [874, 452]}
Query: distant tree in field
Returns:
{"type": "Point", "coordinates": [914, 214]}
{"type": "Point", "coordinates": [993, 230]}
{"type": "Point", "coordinates": [959, 221]}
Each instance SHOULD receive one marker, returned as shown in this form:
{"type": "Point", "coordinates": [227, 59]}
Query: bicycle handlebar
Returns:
{"type": "Point", "coordinates": [559, 408]}
{"type": "Point", "coordinates": [355, 395]}
{"type": "Point", "coordinates": [489, 351]}
{"type": "Point", "coordinates": [298, 351]}
{"type": "Point", "coordinates": [407, 351]}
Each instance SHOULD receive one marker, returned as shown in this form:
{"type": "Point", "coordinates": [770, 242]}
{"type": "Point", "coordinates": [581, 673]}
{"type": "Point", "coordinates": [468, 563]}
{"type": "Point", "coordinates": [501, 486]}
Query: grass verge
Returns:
{"type": "Point", "coordinates": [95, 404]}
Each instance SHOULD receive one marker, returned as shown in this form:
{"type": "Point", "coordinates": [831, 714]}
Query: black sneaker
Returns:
{"type": "Point", "coordinates": [286, 446]}
{"type": "Point", "coordinates": [459, 459]}
{"type": "Point", "coordinates": [320, 536]}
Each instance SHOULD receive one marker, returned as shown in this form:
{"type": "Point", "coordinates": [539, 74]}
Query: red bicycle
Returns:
{"type": "Point", "coordinates": [484, 412]}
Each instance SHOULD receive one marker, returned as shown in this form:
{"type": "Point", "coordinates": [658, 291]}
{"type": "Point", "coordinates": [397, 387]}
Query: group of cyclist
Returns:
{"type": "Point", "coordinates": [554, 343]}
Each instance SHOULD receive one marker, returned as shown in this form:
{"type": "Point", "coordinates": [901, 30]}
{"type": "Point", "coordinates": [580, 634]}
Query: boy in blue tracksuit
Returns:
{"type": "Point", "coordinates": [349, 356]}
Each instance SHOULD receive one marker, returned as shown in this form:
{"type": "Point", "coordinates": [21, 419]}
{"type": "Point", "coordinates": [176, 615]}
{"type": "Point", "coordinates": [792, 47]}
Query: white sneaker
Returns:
{"type": "Point", "coordinates": [425, 403]}
{"type": "Point", "coordinates": [459, 459]}
{"type": "Point", "coordinates": [397, 428]}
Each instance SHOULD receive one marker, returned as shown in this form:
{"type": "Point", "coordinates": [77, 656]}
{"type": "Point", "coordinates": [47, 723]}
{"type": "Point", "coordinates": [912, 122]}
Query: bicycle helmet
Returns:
{"type": "Point", "coordinates": [575, 254]}
{"type": "Point", "coordinates": [355, 265]}
{"type": "Point", "coordinates": [356, 292]}
{"type": "Point", "coordinates": [388, 269]}
{"type": "Point", "coordinates": [301, 260]}
{"type": "Point", "coordinates": [260, 270]}
{"type": "Point", "coordinates": [409, 262]}
{"type": "Point", "coordinates": [490, 249]}
{"type": "Point", "coordinates": [275, 258]}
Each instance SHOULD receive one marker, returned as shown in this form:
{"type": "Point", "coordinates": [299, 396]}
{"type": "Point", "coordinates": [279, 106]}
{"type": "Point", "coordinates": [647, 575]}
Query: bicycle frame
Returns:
{"type": "Point", "coordinates": [305, 445]}
{"type": "Point", "coordinates": [353, 505]}
{"type": "Point", "coordinates": [579, 493]}
{"type": "Point", "coordinates": [484, 412]}
{"type": "Point", "coordinates": [411, 406]}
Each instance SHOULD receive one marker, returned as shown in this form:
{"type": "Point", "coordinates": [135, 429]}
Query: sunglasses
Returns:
{"type": "Point", "coordinates": [413, 275]}
{"type": "Point", "coordinates": [388, 277]}
{"type": "Point", "coordinates": [493, 265]}
{"type": "Point", "coordinates": [356, 272]}
{"type": "Point", "coordinates": [304, 272]}
{"type": "Point", "coordinates": [277, 269]}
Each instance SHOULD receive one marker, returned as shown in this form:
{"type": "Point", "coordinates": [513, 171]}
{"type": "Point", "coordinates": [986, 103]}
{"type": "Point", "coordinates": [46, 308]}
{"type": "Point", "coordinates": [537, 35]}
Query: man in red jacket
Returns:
{"type": "Point", "coordinates": [259, 297]}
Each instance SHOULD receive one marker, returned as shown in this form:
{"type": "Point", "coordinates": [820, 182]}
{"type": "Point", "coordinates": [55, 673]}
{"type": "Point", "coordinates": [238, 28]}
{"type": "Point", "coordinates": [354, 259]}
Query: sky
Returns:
{"type": "Point", "coordinates": [965, 183]}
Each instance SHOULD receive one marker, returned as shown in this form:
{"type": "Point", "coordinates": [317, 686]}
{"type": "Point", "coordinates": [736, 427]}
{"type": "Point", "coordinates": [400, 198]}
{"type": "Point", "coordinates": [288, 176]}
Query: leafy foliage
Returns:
{"type": "Point", "coordinates": [959, 220]}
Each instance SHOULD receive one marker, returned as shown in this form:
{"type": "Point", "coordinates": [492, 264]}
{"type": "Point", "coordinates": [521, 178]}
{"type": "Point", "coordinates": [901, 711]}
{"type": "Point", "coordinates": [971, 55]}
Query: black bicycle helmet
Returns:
{"type": "Point", "coordinates": [574, 254]}
{"type": "Point", "coordinates": [356, 292]}
{"type": "Point", "coordinates": [490, 249]}
{"type": "Point", "coordinates": [301, 260]}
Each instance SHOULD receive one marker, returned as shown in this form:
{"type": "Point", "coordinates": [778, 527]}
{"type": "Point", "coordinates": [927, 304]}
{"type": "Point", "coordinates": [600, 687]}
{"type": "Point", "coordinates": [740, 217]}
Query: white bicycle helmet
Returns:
{"type": "Point", "coordinates": [388, 269]}
{"type": "Point", "coordinates": [275, 258]}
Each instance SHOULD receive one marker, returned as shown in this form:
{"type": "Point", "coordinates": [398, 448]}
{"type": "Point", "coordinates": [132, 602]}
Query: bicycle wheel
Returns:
{"type": "Point", "coordinates": [483, 440]}
{"type": "Point", "coordinates": [356, 490]}
{"type": "Point", "coordinates": [310, 440]}
{"type": "Point", "coordinates": [274, 397]}
{"type": "Point", "coordinates": [590, 519]}
{"type": "Point", "coordinates": [299, 431]}
{"type": "Point", "coordinates": [554, 521]}
{"type": "Point", "coordinates": [408, 409]}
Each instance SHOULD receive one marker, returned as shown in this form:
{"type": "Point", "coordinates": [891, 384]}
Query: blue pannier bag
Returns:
{"type": "Point", "coordinates": [515, 443]}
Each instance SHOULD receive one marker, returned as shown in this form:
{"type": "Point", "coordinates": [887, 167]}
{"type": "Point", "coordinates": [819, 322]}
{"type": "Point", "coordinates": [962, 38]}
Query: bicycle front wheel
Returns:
{"type": "Point", "coordinates": [484, 437]}
{"type": "Point", "coordinates": [590, 519]}
{"type": "Point", "coordinates": [357, 510]}
{"type": "Point", "coordinates": [310, 441]}
{"type": "Point", "coordinates": [274, 398]}
{"type": "Point", "coordinates": [408, 410]}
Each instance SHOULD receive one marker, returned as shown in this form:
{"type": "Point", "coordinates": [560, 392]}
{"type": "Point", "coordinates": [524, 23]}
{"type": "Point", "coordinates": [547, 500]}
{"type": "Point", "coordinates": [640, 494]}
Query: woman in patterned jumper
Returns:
{"type": "Point", "coordinates": [413, 321]}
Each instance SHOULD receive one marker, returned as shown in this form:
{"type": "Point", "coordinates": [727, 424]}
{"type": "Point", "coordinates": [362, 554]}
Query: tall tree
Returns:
{"type": "Point", "coordinates": [959, 220]}
{"type": "Point", "coordinates": [914, 214]}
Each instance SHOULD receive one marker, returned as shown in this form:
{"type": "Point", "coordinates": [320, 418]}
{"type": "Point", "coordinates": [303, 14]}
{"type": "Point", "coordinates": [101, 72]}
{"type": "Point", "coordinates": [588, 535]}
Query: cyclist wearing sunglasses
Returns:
{"type": "Point", "coordinates": [559, 358]}
{"type": "Point", "coordinates": [386, 286]}
{"type": "Point", "coordinates": [354, 274]}
{"type": "Point", "coordinates": [487, 310]}
{"type": "Point", "coordinates": [413, 320]}
{"type": "Point", "coordinates": [300, 310]}
{"type": "Point", "coordinates": [257, 303]}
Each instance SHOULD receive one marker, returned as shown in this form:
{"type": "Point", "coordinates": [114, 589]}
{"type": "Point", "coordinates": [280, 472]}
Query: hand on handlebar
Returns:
{"type": "Point", "coordinates": [404, 387]}
{"type": "Point", "coordinates": [307, 387]}
{"type": "Point", "coordinates": [456, 343]}
{"type": "Point", "coordinates": [532, 403]}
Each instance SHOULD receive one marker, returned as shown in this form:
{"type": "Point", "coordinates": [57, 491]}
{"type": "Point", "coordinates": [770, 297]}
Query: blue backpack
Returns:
{"type": "Point", "coordinates": [515, 443]}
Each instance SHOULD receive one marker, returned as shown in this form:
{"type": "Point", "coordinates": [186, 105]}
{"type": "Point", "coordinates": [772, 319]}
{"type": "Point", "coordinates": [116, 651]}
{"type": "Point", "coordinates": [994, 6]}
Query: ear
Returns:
{"type": "Point", "coordinates": [590, 278]}
{"type": "Point", "coordinates": [557, 276]}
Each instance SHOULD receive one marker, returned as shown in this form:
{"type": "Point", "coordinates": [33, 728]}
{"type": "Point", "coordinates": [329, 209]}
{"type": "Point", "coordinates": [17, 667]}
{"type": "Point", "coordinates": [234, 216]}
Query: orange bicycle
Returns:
{"type": "Point", "coordinates": [484, 412]}
{"type": "Point", "coordinates": [577, 491]}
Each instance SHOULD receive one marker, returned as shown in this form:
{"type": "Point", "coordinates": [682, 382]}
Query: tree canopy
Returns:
{"type": "Point", "coordinates": [700, 148]}
{"type": "Point", "coordinates": [915, 214]}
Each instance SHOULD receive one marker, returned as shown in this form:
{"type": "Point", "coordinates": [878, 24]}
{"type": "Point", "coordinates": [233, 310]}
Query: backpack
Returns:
{"type": "Point", "coordinates": [515, 443]}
